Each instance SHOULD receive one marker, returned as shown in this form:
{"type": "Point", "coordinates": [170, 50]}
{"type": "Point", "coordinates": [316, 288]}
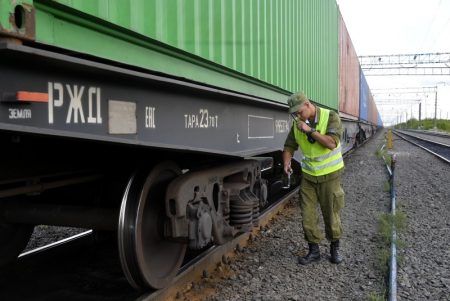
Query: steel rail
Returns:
{"type": "Point", "coordinates": [393, 257]}
{"type": "Point", "coordinates": [423, 147]}
{"type": "Point", "coordinates": [57, 244]}
{"type": "Point", "coordinates": [392, 289]}
{"type": "Point", "coordinates": [424, 132]}
{"type": "Point", "coordinates": [393, 252]}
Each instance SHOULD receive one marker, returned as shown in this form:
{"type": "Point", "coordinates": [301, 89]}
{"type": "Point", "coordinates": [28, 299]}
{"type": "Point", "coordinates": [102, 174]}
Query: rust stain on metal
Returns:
{"type": "Point", "coordinates": [27, 30]}
{"type": "Point", "coordinates": [30, 21]}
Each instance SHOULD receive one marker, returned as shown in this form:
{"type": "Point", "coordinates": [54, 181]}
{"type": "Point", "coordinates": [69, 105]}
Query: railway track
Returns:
{"type": "Point", "coordinates": [440, 150]}
{"type": "Point", "coordinates": [428, 133]}
{"type": "Point", "coordinates": [423, 193]}
{"type": "Point", "coordinates": [63, 243]}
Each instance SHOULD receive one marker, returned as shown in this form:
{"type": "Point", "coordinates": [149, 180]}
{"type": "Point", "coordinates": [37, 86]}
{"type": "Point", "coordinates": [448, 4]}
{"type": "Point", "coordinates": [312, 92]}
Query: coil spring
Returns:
{"type": "Point", "coordinates": [240, 214]}
{"type": "Point", "coordinates": [255, 215]}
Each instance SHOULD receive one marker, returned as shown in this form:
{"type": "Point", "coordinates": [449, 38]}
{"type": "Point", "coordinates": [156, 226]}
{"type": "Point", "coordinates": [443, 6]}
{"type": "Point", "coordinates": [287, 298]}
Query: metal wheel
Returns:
{"type": "Point", "coordinates": [148, 260]}
{"type": "Point", "coordinates": [14, 239]}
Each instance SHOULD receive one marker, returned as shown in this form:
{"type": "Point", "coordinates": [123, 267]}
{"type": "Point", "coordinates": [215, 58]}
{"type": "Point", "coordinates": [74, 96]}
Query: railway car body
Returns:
{"type": "Point", "coordinates": [161, 120]}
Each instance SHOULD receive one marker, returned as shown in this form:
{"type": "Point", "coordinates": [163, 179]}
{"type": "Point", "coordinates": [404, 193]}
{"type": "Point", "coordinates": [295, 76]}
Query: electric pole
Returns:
{"type": "Point", "coordinates": [420, 112]}
{"type": "Point", "coordinates": [435, 108]}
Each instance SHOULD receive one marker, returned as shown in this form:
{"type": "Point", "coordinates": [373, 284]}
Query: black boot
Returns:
{"type": "Point", "coordinates": [334, 252]}
{"type": "Point", "coordinates": [313, 255]}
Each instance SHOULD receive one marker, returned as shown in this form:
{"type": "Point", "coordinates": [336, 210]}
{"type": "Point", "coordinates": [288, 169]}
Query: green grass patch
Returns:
{"type": "Point", "coordinates": [387, 222]}
{"type": "Point", "coordinates": [379, 152]}
{"type": "Point", "coordinates": [426, 124]}
{"type": "Point", "coordinates": [376, 297]}
{"type": "Point", "coordinates": [382, 153]}
{"type": "Point", "coordinates": [383, 257]}
{"type": "Point", "coordinates": [386, 186]}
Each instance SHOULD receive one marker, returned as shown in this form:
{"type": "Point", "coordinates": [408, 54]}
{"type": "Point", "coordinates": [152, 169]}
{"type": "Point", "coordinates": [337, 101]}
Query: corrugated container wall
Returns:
{"type": "Point", "coordinates": [363, 97]}
{"type": "Point", "coordinates": [379, 120]}
{"type": "Point", "coordinates": [348, 74]}
{"type": "Point", "coordinates": [373, 112]}
{"type": "Point", "coordinates": [290, 44]}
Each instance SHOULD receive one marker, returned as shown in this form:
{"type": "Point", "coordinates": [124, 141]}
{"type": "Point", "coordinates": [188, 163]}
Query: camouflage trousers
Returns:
{"type": "Point", "coordinates": [325, 191]}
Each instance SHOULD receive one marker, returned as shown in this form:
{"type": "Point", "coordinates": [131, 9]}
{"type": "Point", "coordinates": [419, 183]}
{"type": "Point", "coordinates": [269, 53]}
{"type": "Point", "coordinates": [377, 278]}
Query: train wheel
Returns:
{"type": "Point", "coordinates": [148, 260]}
{"type": "Point", "coordinates": [14, 239]}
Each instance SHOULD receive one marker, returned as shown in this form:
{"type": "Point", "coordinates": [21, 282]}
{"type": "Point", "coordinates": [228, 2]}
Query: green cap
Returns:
{"type": "Point", "coordinates": [295, 101]}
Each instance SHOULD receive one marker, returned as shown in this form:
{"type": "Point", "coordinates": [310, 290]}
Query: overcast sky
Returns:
{"type": "Point", "coordinates": [381, 27]}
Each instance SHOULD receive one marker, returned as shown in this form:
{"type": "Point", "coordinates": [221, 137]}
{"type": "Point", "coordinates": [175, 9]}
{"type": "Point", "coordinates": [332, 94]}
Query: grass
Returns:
{"type": "Point", "coordinates": [387, 223]}
{"type": "Point", "coordinates": [426, 124]}
{"type": "Point", "coordinates": [383, 257]}
{"type": "Point", "coordinates": [386, 186]}
{"type": "Point", "coordinates": [379, 153]}
{"type": "Point", "coordinates": [382, 153]}
{"type": "Point", "coordinates": [376, 297]}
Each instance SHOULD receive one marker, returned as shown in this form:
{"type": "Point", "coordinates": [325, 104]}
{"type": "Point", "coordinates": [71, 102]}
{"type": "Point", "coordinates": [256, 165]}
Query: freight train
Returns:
{"type": "Point", "coordinates": [161, 120]}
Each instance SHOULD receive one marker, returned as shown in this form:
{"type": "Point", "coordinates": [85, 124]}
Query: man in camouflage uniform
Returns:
{"type": "Point", "coordinates": [316, 132]}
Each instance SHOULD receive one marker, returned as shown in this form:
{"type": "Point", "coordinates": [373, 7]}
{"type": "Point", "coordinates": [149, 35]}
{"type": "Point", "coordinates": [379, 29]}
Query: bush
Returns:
{"type": "Point", "coordinates": [426, 124]}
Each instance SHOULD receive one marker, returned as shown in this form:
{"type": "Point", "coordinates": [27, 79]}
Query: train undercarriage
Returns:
{"type": "Point", "coordinates": [168, 165]}
{"type": "Point", "coordinates": [158, 207]}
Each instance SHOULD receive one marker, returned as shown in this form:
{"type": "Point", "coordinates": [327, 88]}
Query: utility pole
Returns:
{"type": "Point", "coordinates": [420, 115]}
{"type": "Point", "coordinates": [435, 109]}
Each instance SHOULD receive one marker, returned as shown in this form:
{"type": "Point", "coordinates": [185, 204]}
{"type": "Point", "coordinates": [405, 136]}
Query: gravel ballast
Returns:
{"type": "Point", "coordinates": [44, 235]}
{"type": "Point", "coordinates": [268, 268]}
{"type": "Point", "coordinates": [423, 194]}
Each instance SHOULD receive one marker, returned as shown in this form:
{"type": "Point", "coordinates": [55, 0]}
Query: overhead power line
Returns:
{"type": "Point", "coordinates": [407, 71]}
{"type": "Point", "coordinates": [406, 64]}
{"type": "Point", "coordinates": [403, 60]}
{"type": "Point", "coordinates": [402, 93]}
{"type": "Point", "coordinates": [393, 101]}
{"type": "Point", "coordinates": [405, 90]}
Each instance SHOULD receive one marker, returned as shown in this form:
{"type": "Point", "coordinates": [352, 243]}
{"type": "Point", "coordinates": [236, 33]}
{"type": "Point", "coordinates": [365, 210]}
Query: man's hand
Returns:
{"type": "Point", "coordinates": [287, 157]}
{"type": "Point", "coordinates": [287, 168]}
{"type": "Point", "coordinates": [324, 140]}
{"type": "Point", "coordinates": [302, 126]}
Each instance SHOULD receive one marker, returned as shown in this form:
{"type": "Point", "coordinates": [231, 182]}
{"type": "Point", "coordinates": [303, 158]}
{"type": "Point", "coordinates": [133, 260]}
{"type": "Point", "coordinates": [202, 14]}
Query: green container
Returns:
{"type": "Point", "coordinates": [265, 48]}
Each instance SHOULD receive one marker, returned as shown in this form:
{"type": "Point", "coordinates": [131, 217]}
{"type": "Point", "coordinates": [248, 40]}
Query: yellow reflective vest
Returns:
{"type": "Point", "coordinates": [317, 159]}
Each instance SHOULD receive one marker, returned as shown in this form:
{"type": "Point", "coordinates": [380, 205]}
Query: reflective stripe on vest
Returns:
{"type": "Point", "coordinates": [318, 160]}
{"type": "Point", "coordinates": [313, 168]}
{"type": "Point", "coordinates": [326, 156]}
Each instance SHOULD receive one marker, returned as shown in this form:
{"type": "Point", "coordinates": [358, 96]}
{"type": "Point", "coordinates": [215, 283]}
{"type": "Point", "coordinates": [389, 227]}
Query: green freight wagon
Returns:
{"type": "Point", "coordinates": [263, 48]}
